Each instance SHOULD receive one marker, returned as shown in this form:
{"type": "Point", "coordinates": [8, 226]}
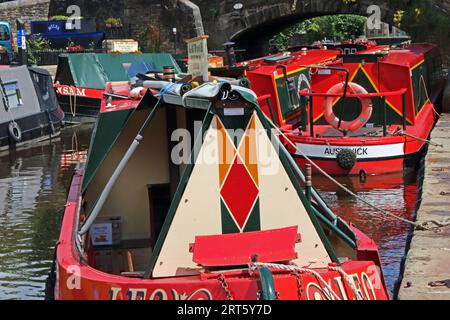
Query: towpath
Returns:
{"type": "Point", "coordinates": [428, 259]}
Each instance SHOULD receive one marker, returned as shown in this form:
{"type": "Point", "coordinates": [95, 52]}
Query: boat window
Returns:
{"type": "Point", "coordinates": [44, 83]}
{"type": "Point", "coordinates": [13, 94]}
{"type": "Point", "coordinates": [4, 33]}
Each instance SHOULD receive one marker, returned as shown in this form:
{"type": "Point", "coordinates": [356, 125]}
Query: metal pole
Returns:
{"type": "Point", "coordinates": [304, 113]}
{"type": "Point", "coordinates": [404, 110]}
{"type": "Point", "coordinates": [314, 193]}
{"type": "Point", "coordinates": [384, 118]}
{"type": "Point", "coordinates": [174, 30]}
{"type": "Point", "coordinates": [21, 43]}
{"type": "Point", "coordinates": [311, 117]}
{"type": "Point", "coordinates": [272, 115]}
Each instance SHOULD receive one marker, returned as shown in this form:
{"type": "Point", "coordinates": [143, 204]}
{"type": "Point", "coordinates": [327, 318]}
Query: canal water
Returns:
{"type": "Point", "coordinates": [34, 182]}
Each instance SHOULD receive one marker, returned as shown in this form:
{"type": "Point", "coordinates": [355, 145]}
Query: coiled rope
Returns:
{"type": "Point", "coordinates": [294, 268]}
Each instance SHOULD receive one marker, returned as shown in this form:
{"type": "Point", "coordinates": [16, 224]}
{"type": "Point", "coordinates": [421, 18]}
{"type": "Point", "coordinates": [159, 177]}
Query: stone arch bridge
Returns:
{"type": "Point", "coordinates": [251, 24]}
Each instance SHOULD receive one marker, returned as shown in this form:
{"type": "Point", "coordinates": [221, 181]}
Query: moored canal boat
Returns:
{"type": "Point", "coordinates": [360, 114]}
{"type": "Point", "coordinates": [147, 219]}
{"type": "Point", "coordinates": [29, 110]}
{"type": "Point", "coordinates": [81, 78]}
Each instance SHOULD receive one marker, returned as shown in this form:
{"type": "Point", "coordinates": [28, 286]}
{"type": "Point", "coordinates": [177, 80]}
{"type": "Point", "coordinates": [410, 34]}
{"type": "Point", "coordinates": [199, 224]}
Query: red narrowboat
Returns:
{"type": "Point", "coordinates": [360, 114]}
{"type": "Point", "coordinates": [153, 217]}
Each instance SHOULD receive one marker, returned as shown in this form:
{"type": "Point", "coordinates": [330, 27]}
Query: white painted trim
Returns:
{"type": "Point", "coordinates": [362, 152]}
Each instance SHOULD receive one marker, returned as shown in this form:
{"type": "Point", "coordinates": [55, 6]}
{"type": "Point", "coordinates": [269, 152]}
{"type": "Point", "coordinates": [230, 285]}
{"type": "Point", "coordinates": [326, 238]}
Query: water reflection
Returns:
{"type": "Point", "coordinates": [394, 193]}
{"type": "Point", "coordinates": [33, 184]}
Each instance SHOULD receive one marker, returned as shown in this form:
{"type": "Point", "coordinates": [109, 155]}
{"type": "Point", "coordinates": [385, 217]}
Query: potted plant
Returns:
{"type": "Point", "coordinates": [113, 23]}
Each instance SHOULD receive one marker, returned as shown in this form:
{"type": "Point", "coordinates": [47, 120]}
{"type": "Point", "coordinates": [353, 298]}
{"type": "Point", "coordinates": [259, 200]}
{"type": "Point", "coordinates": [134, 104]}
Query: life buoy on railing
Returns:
{"type": "Point", "coordinates": [14, 131]}
{"type": "Point", "coordinates": [359, 122]}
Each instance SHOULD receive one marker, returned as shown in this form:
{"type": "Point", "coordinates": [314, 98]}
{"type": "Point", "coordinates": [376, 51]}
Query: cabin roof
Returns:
{"type": "Point", "coordinates": [266, 65]}
{"type": "Point", "coordinates": [30, 102]}
{"type": "Point", "coordinates": [409, 56]}
{"type": "Point", "coordinates": [94, 71]}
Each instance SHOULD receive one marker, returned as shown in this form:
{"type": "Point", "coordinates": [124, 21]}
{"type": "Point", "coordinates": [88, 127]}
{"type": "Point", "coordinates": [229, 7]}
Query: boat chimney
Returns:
{"type": "Point", "coordinates": [308, 182]}
{"type": "Point", "coordinates": [231, 54]}
{"type": "Point", "coordinates": [169, 73]}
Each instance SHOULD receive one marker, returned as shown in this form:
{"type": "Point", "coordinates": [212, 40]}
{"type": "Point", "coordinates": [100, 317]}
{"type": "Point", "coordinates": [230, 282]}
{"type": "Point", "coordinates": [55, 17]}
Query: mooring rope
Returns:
{"type": "Point", "coordinates": [376, 208]}
{"type": "Point", "coordinates": [348, 279]}
{"type": "Point", "coordinates": [422, 82]}
{"type": "Point", "coordinates": [73, 107]}
{"type": "Point", "coordinates": [294, 268]}
{"type": "Point", "coordinates": [402, 133]}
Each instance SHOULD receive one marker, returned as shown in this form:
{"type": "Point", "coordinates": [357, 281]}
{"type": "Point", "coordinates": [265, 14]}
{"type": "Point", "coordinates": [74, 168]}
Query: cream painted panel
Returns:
{"type": "Point", "coordinates": [198, 213]}
{"type": "Point", "coordinates": [149, 165]}
{"type": "Point", "coordinates": [281, 206]}
{"type": "Point", "coordinates": [113, 158]}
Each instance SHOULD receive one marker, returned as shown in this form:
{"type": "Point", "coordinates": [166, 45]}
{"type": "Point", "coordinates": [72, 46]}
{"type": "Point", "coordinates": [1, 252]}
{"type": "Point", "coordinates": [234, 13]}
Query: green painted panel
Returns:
{"type": "Point", "coordinates": [288, 103]}
{"type": "Point", "coordinates": [228, 224]}
{"type": "Point", "coordinates": [236, 126]}
{"type": "Point", "coordinates": [109, 126]}
{"type": "Point", "coordinates": [254, 221]}
{"type": "Point", "coordinates": [419, 90]}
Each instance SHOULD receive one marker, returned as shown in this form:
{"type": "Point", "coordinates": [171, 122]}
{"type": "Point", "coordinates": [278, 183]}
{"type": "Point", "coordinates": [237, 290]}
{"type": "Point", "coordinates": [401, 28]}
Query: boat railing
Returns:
{"type": "Point", "coordinates": [401, 92]}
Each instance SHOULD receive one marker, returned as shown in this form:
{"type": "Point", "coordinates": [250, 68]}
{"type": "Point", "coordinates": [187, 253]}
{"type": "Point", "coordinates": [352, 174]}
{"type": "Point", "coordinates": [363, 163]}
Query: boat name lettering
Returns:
{"type": "Point", "coordinates": [359, 151]}
{"type": "Point", "coordinates": [66, 91]}
{"type": "Point", "coordinates": [116, 293]}
{"type": "Point", "coordinates": [364, 288]}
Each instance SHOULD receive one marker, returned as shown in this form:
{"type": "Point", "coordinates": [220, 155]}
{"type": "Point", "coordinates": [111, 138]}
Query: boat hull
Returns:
{"type": "Point", "coordinates": [34, 128]}
{"type": "Point", "coordinates": [375, 155]}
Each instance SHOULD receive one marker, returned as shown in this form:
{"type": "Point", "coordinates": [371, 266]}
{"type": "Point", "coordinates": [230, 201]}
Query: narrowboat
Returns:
{"type": "Point", "coordinates": [59, 33]}
{"type": "Point", "coordinates": [29, 110]}
{"type": "Point", "coordinates": [351, 116]}
{"type": "Point", "coordinates": [81, 78]}
{"type": "Point", "coordinates": [155, 216]}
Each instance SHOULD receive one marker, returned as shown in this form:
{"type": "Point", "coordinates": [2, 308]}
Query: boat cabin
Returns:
{"type": "Point", "coordinates": [28, 106]}
{"type": "Point", "coordinates": [81, 78]}
{"type": "Point", "coordinates": [352, 104]}
{"type": "Point", "coordinates": [167, 198]}
{"type": "Point", "coordinates": [396, 100]}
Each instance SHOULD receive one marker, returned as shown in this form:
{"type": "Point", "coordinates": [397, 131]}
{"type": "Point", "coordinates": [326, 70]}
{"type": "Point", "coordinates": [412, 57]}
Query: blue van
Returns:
{"type": "Point", "coordinates": [6, 37]}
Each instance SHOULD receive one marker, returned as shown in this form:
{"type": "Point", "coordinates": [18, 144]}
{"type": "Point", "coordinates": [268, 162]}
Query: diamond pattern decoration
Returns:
{"type": "Point", "coordinates": [239, 192]}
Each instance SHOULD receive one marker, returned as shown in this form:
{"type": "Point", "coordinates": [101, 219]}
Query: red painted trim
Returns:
{"type": "Point", "coordinates": [64, 90]}
{"type": "Point", "coordinates": [239, 248]}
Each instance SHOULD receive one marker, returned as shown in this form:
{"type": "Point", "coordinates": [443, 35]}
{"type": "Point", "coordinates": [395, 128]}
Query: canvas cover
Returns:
{"type": "Point", "coordinates": [91, 70]}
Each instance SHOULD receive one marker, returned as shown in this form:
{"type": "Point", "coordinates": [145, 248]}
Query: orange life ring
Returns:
{"type": "Point", "coordinates": [361, 120]}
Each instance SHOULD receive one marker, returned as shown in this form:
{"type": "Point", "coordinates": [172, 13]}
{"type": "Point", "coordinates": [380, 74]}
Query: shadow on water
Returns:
{"type": "Point", "coordinates": [33, 184]}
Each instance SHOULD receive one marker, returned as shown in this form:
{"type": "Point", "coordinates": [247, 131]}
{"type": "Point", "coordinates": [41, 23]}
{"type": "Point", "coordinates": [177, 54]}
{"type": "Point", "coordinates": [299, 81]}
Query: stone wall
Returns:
{"type": "Point", "coordinates": [149, 21]}
{"type": "Point", "coordinates": [27, 10]}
